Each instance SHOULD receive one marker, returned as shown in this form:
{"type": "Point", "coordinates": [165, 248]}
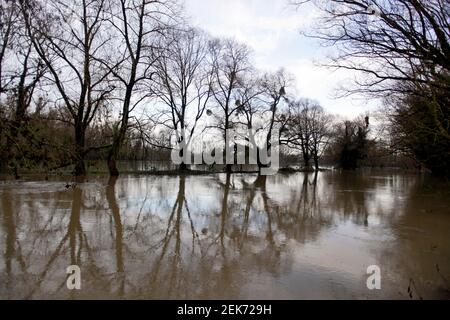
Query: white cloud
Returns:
{"type": "Point", "coordinates": [322, 84]}
{"type": "Point", "coordinates": [272, 29]}
{"type": "Point", "coordinates": [262, 24]}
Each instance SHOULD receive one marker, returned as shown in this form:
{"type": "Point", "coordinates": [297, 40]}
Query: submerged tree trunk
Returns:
{"type": "Point", "coordinates": [120, 137]}
{"type": "Point", "coordinates": [183, 166]}
{"type": "Point", "coordinates": [306, 161]}
{"type": "Point", "coordinates": [111, 161]}
{"type": "Point", "coordinates": [260, 182]}
{"type": "Point", "coordinates": [316, 163]}
{"type": "Point", "coordinates": [80, 168]}
{"type": "Point", "coordinates": [117, 143]}
{"type": "Point", "coordinates": [228, 166]}
{"type": "Point", "coordinates": [114, 153]}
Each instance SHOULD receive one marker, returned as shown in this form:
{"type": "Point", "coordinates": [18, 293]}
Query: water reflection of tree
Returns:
{"type": "Point", "coordinates": [210, 263]}
{"type": "Point", "coordinates": [118, 241]}
{"type": "Point", "coordinates": [174, 247]}
{"type": "Point", "coordinates": [45, 257]}
{"type": "Point", "coordinates": [12, 250]}
{"type": "Point", "coordinates": [302, 217]}
{"type": "Point", "coordinates": [165, 277]}
{"type": "Point", "coordinates": [74, 236]}
{"type": "Point", "coordinates": [183, 258]}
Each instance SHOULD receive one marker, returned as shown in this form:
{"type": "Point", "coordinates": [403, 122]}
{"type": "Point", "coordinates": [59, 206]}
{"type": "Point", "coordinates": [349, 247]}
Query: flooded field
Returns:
{"type": "Point", "coordinates": [298, 236]}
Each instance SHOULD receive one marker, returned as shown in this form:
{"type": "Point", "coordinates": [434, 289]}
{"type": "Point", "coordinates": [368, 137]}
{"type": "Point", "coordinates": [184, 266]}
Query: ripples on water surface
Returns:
{"type": "Point", "coordinates": [227, 237]}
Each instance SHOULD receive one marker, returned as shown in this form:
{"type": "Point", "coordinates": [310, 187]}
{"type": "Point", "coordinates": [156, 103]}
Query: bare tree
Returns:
{"type": "Point", "coordinates": [136, 24]}
{"type": "Point", "coordinates": [9, 16]}
{"type": "Point", "coordinates": [183, 83]}
{"type": "Point", "coordinates": [400, 49]}
{"type": "Point", "coordinates": [250, 112]}
{"type": "Point", "coordinates": [67, 47]}
{"type": "Point", "coordinates": [298, 131]}
{"type": "Point", "coordinates": [273, 87]}
{"type": "Point", "coordinates": [320, 124]}
{"type": "Point", "coordinates": [21, 70]}
{"type": "Point", "coordinates": [230, 61]}
{"type": "Point", "coordinates": [387, 40]}
{"type": "Point", "coordinates": [260, 97]}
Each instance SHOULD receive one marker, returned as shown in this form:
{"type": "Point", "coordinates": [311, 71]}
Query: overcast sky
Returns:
{"type": "Point", "coordinates": [272, 29]}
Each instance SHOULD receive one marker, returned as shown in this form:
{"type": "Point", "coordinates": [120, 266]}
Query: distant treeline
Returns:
{"type": "Point", "coordinates": [117, 79]}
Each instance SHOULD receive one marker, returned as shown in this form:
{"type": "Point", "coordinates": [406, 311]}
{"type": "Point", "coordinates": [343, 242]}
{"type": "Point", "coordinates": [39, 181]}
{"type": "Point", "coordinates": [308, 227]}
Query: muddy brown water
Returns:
{"type": "Point", "coordinates": [297, 236]}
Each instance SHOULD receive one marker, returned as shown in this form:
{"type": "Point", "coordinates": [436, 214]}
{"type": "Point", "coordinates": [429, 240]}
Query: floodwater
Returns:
{"type": "Point", "coordinates": [298, 236]}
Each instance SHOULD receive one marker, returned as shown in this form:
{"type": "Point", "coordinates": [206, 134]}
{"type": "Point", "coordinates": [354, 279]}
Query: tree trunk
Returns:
{"type": "Point", "coordinates": [183, 165]}
{"type": "Point", "coordinates": [112, 167]}
{"type": "Point", "coordinates": [306, 160]}
{"type": "Point", "coordinates": [114, 151]}
{"type": "Point", "coordinates": [316, 163]}
{"type": "Point", "coordinates": [80, 168]}
{"type": "Point", "coordinates": [118, 140]}
{"type": "Point", "coordinates": [17, 124]}
{"type": "Point", "coordinates": [260, 182]}
{"type": "Point", "coordinates": [112, 156]}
